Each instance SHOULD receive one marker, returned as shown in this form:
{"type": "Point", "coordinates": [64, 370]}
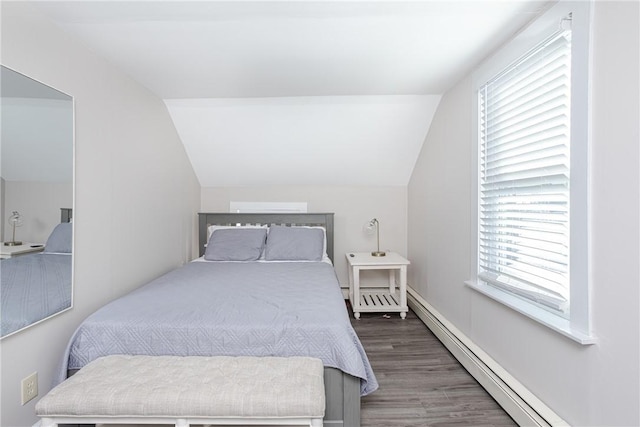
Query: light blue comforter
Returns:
{"type": "Point", "coordinates": [232, 309]}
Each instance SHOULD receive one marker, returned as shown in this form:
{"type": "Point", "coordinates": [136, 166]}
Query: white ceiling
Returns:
{"type": "Point", "coordinates": [204, 52]}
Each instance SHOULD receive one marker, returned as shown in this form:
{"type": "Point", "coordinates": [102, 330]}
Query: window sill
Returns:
{"type": "Point", "coordinates": [550, 320]}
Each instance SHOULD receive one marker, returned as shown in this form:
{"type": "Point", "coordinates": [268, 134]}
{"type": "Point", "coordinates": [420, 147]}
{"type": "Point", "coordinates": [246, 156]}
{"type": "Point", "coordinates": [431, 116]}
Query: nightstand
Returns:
{"type": "Point", "coordinates": [389, 300]}
{"type": "Point", "coordinates": [14, 251]}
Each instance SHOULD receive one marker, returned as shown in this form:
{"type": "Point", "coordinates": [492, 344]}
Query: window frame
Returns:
{"type": "Point", "coordinates": [578, 325]}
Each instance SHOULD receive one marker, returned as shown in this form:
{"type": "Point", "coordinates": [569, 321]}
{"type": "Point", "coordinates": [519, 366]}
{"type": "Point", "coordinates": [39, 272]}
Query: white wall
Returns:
{"type": "Point", "coordinates": [586, 385]}
{"type": "Point", "coordinates": [37, 134]}
{"type": "Point", "coordinates": [352, 206]}
{"type": "Point", "coordinates": [136, 195]}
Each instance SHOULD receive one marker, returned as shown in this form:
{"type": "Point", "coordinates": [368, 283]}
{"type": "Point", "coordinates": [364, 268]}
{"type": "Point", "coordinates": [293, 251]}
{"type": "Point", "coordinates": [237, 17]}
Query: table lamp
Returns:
{"type": "Point", "coordinates": [370, 227]}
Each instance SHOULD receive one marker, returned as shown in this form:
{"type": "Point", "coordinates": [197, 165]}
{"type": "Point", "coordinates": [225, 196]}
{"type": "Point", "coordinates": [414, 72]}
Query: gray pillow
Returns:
{"type": "Point", "coordinates": [294, 244]}
{"type": "Point", "coordinates": [61, 239]}
{"type": "Point", "coordinates": [243, 244]}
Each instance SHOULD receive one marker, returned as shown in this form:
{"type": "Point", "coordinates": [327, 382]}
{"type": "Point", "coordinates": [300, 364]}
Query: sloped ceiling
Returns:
{"type": "Point", "coordinates": [298, 92]}
{"type": "Point", "coordinates": [356, 140]}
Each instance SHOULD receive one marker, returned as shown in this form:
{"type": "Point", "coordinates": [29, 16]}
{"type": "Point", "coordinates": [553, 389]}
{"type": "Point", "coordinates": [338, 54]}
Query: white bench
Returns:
{"type": "Point", "coordinates": [189, 390]}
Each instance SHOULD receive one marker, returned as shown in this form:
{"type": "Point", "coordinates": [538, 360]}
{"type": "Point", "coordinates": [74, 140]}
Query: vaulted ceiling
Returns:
{"type": "Point", "coordinates": [297, 92]}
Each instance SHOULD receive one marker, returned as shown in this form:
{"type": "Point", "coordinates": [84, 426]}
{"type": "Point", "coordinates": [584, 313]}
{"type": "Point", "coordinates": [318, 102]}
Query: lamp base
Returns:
{"type": "Point", "coordinates": [378, 253]}
{"type": "Point", "coordinates": [12, 243]}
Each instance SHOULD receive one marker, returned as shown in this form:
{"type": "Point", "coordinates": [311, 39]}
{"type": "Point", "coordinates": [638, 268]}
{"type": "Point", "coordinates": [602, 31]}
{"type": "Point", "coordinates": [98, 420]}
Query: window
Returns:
{"type": "Point", "coordinates": [532, 134]}
{"type": "Point", "coordinates": [524, 126]}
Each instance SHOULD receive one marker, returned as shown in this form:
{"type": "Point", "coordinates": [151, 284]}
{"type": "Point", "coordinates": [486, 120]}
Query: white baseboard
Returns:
{"type": "Point", "coordinates": [515, 398]}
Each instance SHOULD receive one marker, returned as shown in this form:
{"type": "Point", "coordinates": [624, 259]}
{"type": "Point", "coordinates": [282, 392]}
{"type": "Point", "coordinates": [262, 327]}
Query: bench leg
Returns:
{"type": "Point", "coordinates": [181, 422]}
{"type": "Point", "coordinates": [48, 422]}
{"type": "Point", "coordinates": [316, 422]}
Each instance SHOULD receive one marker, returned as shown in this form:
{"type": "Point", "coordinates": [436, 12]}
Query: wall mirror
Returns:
{"type": "Point", "coordinates": [36, 201]}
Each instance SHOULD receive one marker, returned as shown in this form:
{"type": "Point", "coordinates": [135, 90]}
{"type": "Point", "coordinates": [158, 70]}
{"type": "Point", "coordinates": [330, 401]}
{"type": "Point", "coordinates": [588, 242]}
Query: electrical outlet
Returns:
{"type": "Point", "coordinates": [29, 386]}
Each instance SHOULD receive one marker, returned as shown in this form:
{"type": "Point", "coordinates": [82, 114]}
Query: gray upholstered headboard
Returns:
{"type": "Point", "coordinates": [66, 214]}
{"type": "Point", "coordinates": [318, 219]}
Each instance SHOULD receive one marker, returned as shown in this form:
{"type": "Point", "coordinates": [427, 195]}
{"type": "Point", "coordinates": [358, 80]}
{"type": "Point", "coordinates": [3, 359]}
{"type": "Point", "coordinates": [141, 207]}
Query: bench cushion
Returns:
{"type": "Point", "coordinates": [242, 387]}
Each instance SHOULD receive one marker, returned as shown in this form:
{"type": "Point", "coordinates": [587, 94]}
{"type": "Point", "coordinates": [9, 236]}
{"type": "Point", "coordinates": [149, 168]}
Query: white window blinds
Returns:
{"type": "Point", "coordinates": [524, 171]}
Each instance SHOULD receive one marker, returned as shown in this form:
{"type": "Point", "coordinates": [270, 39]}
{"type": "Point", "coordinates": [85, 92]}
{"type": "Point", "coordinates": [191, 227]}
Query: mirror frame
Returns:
{"type": "Point", "coordinates": [73, 204]}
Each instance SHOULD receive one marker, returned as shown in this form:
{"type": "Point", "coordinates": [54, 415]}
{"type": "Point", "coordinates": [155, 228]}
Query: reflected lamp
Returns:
{"type": "Point", "coordinates": [15, 220]}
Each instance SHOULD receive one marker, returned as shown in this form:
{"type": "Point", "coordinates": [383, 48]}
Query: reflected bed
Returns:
{"type": "Point", "coordinates": [48, 291]}
{"type": "Point", "coordinates": [36, 286]}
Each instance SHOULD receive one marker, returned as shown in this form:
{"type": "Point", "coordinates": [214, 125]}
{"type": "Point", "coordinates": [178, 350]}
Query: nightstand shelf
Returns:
{"type": "Point", "coordinates": [377, 300]}
{"type": "Point", "coordinates": [390, 300]}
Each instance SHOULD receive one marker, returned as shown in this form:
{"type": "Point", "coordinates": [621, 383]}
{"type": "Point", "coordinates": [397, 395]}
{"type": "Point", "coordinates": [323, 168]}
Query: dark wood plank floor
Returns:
{"type": "Point", "coordinates": [421, 383]}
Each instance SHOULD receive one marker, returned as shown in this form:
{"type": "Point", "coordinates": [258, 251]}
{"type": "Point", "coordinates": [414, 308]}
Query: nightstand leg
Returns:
{"type": "Point", "coordinates": [351, 285]}
{"type": "Point", "coordinates": [403, 291]}
{"type": "Point", "coordinates": [356, 293]}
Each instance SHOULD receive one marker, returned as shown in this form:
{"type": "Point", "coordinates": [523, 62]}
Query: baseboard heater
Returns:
{"type": "Point", "coordinates": [525, 408]}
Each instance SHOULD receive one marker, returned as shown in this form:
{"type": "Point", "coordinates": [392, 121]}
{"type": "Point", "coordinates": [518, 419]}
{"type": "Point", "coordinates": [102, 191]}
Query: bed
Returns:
{"type": "Point", "coordinates": [282, 301]}
{"type": "Point", "coordinates": [36, 286]}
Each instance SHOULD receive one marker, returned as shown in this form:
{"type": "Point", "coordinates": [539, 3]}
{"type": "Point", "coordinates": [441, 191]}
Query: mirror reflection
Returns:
{"type": "Point", "coordinates": [36, 197]}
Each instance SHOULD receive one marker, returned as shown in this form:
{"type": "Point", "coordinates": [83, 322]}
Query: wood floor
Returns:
{"type": "Point", "coordinates": [421, 383]}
